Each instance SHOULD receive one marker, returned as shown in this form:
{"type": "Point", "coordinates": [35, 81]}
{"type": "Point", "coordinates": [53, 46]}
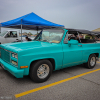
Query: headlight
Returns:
{"type": "Point", "coordinates": [14, 62]}
{"type": "Point", "coordinates": [14, 55]}
{"type": "Point", "coordinates": [14, 59]}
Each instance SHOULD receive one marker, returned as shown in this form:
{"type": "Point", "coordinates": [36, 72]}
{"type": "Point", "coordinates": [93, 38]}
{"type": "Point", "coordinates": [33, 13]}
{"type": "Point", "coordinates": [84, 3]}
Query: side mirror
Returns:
{"type": "Point", "coordinates": [72, 42]}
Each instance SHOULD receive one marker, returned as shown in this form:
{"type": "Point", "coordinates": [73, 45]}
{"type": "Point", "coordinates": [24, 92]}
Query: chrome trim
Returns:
{"type": "Point", "coordinates": [43, 71]}
{"type": "Point", "coordinates": [92, 61]}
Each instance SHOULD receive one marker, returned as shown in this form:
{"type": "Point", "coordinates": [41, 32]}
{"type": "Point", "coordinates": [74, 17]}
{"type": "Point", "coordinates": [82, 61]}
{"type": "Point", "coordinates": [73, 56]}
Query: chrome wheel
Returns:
{"type": "Point", "coordinates": [92, 61]}
{"type": "Point", "coordinates": [43, 71]}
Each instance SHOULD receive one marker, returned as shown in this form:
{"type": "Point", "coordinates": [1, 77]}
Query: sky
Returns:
{"type": "Point", "coordinates": [79, 14]}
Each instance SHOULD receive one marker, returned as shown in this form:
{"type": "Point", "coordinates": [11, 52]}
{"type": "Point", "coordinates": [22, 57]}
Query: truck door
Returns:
{"type": "Point", "coordinates": [11, 36]}
{"type": "Point", "coordinates": [72, 54]}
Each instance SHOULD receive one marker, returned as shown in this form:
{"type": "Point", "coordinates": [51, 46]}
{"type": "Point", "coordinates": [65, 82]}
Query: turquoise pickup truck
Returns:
{"type": "Point", "coordinates": [52, 49]}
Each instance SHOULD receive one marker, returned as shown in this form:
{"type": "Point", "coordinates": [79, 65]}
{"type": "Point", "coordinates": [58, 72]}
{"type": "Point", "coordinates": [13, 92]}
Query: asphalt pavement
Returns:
{"type": "Point", "coordinates": [86, 87]}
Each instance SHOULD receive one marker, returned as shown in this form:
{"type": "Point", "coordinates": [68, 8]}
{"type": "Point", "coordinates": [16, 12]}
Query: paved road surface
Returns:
{"type": "Point", "coordinates": [86, 87]}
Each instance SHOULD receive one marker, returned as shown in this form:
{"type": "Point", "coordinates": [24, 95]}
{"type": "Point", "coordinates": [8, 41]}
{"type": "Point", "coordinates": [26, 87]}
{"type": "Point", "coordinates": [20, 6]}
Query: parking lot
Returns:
{"type": "Point", "coordinates": [74, 83]}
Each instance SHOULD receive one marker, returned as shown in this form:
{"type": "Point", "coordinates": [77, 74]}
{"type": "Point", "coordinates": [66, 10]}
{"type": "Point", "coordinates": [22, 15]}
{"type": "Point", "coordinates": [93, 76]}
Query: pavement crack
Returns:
{"type": "Point", "coordinates": [89, 81]}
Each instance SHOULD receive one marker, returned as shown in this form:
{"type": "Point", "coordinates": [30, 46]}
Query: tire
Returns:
{"type": "Point", "coordinates": [91, 61]}
{"type": "Point", "coordinates": [40, 71]}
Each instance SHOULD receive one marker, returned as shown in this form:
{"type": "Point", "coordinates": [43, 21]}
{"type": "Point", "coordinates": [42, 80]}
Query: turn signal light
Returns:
{"type": "Point", "coordinates": [23, 66]}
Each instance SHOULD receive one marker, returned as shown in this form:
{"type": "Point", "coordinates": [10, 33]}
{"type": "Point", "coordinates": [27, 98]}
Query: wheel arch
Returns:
{"type": "Point", "coordinates": [97, 54]}
{"type": "Point", "coordinates": [50, 59]}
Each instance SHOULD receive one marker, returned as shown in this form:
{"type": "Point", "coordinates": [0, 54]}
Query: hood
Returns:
{"type": "Point", "coordinates": [20, 46]}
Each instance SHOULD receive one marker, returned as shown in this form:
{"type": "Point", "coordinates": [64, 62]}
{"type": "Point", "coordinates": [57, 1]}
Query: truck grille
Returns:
{"type": "Point", "coordinates": [5, 55]}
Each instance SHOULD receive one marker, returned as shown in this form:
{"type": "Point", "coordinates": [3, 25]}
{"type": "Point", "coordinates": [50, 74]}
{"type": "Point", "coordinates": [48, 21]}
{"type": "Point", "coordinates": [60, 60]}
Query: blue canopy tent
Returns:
{"type": "Point", "coordinates": [30, 21]}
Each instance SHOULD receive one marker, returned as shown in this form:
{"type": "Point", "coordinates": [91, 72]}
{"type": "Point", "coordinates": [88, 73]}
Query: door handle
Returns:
{"type": "Point", "coordinates": [80, 45]}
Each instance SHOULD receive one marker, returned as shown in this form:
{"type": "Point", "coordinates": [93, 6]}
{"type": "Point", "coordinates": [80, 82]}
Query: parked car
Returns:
{"type": "Point", "coordinates": [11, 36]}
{"type": "Point", "coordinates": [51, 50]}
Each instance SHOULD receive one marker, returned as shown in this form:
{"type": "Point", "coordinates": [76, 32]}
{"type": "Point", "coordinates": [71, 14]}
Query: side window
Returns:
{"type": "Point", "coordinates": [14, 33]}
{"type": "Point", "coordinates": [11, 34]}
{"type": "Point", "coordinates": [69, 37]}
{"type": "Point", "coordinates": [73, 36]}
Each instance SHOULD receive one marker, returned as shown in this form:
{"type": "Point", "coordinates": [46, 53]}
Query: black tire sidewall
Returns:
{"type": "Point", "coordinates": [34, 68]}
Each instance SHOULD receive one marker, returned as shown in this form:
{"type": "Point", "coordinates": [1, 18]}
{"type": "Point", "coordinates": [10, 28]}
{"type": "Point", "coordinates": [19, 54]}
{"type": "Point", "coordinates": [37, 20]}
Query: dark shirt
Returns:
{"type": "Point", "coordinates": [29, 39]}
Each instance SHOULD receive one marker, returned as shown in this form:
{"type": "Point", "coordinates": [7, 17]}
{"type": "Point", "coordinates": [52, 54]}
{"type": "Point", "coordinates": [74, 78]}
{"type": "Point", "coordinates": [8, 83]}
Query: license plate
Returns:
{"type": "Point", "coordinates": [2, 66]}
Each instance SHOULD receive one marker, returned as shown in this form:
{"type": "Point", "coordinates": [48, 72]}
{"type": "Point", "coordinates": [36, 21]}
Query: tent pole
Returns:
{"type": "Point", "coordinates": [21, 30]}
{"type": "Point", "coordinates": [0, 29]}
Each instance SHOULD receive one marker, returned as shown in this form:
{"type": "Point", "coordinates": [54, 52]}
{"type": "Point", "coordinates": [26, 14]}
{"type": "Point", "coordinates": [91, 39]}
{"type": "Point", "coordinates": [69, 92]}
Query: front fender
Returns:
{"type": "Point", "coordinates": [27, 62]}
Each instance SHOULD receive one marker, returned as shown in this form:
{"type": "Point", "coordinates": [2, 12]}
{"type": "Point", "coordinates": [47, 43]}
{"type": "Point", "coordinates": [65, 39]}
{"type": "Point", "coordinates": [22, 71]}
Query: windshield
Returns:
{"type": "Point", "coordinates": [50, 35]}
{"type": "Point", "coordinates": [3, 33]}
